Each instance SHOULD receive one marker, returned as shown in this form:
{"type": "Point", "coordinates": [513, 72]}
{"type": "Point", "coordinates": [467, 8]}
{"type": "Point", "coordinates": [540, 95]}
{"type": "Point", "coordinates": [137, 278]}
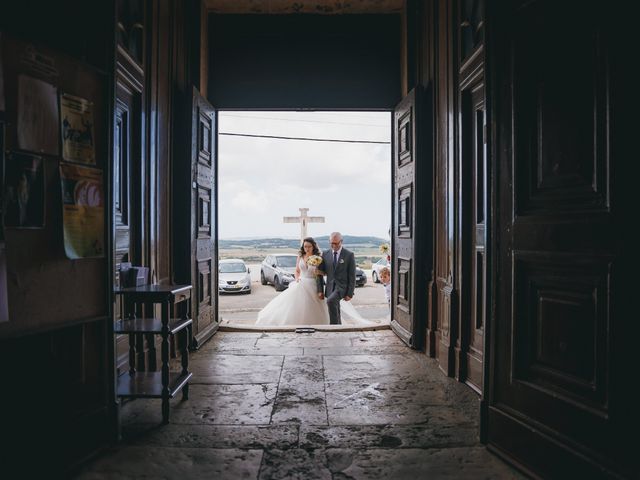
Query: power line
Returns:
{"type": "Point", "coordinates": [302, 138]}
{"type": "Point", "coordinates": [343, 114]}
{"type": "Point", "coordinates": [309, 121]}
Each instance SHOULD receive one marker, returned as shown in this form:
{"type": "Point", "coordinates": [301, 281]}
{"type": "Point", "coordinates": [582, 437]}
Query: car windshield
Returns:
{"type": "Point", "coordinates": [286, 262]}
{"type": "Point", "coordinates": [232, 268]}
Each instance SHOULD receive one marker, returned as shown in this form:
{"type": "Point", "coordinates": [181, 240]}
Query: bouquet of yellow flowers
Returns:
{"type": "Point", "coordinates": [314, 260]}
{"type": "Point", "coordinates": [384, 249]}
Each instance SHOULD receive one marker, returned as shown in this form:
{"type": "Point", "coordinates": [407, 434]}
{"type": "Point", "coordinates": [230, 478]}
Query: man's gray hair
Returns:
{"type": "Point", "coordinates": [337, 235]}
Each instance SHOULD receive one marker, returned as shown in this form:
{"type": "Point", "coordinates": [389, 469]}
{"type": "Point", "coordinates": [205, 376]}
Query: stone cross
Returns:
{"type": "Point", "coordinates": [303, 220]}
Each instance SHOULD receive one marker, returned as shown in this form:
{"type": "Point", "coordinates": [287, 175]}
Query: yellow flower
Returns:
{"type": "Point", "coordinates": [384, 249]}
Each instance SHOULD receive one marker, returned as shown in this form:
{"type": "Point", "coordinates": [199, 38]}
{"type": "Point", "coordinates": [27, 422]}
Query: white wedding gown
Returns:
{"type": "Point", "coordinates": [299, 305]}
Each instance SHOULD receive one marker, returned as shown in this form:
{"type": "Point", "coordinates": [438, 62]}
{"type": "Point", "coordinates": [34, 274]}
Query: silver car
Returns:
{"type": "Point", "coordinates": [376, 267]}
{"type": "Point", "coordinates": [233, 276]}
{"type": "Point", "coordinates": [278, 269]}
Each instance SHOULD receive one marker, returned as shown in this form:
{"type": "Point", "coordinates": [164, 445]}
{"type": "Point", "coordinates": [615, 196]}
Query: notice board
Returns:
{"type": "Point", "coordinates": [45, 288]}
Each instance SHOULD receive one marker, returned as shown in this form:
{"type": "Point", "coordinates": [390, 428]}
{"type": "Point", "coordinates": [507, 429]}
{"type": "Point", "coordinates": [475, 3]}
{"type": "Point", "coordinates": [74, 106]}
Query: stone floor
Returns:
{"type": "Point", "coordinates": [323, 405]}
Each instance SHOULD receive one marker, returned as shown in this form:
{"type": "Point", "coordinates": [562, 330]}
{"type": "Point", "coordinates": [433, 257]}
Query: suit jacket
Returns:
{"type": "Point", "coordinates": [342, 278]}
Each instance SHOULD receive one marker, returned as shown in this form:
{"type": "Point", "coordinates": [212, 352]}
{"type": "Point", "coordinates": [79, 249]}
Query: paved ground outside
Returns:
{"type": "Point", "coordinates": [242, 309]}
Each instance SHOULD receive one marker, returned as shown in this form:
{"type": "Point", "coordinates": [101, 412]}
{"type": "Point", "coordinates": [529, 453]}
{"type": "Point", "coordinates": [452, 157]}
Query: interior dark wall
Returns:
{"type": "Point", "coordinates": [55, 348]}
{"type": "Point", "coordinates": [78, 28]}
{"type": "Point", "coordinates": [304, 61]}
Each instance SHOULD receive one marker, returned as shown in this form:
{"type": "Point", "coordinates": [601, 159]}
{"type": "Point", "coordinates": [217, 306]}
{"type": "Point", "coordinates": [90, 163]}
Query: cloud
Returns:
{"type": "Point", "coordinates": [247, 199]}
{"type": "Point", "coordinates": [306, 164]}
{"type": "Point", "coordinates": [263, 179]}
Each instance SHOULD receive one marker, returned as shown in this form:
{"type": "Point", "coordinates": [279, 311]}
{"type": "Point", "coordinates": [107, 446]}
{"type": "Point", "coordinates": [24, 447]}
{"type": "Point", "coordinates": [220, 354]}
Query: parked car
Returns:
{"type": "Point", "coordinates": [279, 270]}
{"type": "Point", "coordinates": [233, 276]}
{"type": "Point", "coordinates": [361, 278]}
{"type": "Point", "coordinates": [375, 268]}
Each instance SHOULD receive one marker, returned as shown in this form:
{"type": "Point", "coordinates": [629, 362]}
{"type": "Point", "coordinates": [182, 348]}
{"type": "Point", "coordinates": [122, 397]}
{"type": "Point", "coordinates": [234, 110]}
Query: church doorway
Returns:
{"type": "Point", "coordinates": [278, 63]}
{"type": "Point", "coordinates": [287, 175]}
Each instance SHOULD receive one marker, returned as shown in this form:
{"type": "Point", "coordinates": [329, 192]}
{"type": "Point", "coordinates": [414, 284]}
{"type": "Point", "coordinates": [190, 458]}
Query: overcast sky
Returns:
{"type": "Point", "coordinates": [264, 179]}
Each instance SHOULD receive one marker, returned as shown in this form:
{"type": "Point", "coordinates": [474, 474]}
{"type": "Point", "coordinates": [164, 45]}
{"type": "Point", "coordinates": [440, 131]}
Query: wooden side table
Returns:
{"type": "Point", "coordinates": [163, 384]}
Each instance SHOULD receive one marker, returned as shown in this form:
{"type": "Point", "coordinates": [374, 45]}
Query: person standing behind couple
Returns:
{"type": "Point", "coordinates": [339, 266]}
{"type": "Point", "coordinates": [385, 279]}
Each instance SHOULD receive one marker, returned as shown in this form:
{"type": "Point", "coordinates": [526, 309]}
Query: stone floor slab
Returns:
{"type": "Point", "coordinates": [380, 340]}
{"type": "Point", "coordinates": [306, 369]}
{"type": "Point", "coordinates": [214, 436]}
{"type": "Point", "coordinates": [387, 436]}
{"type": "Point", "coordinates": [306, 341]}
{"type": "Point", "coordinates": [210, 404]}
{"type": "Point", "coordinates": [258, 351]}
{"type": "Point", "coordinates": [174, 463]}
{"type": "Point", "coordinates": [300, 403]}
{"type": "Point", "coordinates": [236, 369]}
{"type": "Point", "coordinates": [315, 335]}
{"type": "Point", "coordinates": [295, 464]}
{"type": "Point", "coordinates": [393, 367]}
{"type": "Point", "coordinates": [385, 402]}
{"type": "Point", "coordinates": [398, 463]}
{"type": "Point", "coordinates": [364, 350]}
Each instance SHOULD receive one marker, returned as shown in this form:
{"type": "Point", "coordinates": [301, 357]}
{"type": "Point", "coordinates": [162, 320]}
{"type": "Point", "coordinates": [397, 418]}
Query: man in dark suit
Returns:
{"type": "Point", "coordinates": [339, 266]}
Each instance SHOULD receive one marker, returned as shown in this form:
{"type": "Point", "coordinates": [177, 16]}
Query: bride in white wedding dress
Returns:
{"type": "Point", "coordinates": [299, 304]}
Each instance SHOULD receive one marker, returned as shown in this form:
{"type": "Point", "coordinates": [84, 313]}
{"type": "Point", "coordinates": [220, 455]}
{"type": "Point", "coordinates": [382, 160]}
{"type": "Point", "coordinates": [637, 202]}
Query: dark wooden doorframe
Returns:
{"type": "Point", "coordinates": [129, 206]}
{"type": "Point", "coordinates": [426, 122]}
{"type": "Point", "coordinates": [474, 217]}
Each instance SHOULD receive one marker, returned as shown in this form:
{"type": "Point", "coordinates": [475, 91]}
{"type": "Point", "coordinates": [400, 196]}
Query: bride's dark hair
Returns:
{"type": "Point", "coordinates": [316, 250]}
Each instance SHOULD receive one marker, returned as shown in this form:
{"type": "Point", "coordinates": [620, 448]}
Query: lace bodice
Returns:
{"type": "Point", "coordinates": [305, 270]}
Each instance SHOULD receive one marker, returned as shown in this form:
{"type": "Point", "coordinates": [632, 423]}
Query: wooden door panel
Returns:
{"type": "Point", "coordinates": [560, 115]}
{"type": "Point", "coordinates": [403, 292]}
{"type": "Point", "coordinates": [555, 365]}
{"type": "Point", "coordinates": [560, 338]}
{"type": "Point", "coordinates": [204, 211]}
{"type": "Point", "coordinates": [408, 305]}
{"type": "Point", "coordinates": [195, 211]}
{"type": "Point", "coordinates": [203, 249]}
{"type": "Point", "coordinates": [204, 294]}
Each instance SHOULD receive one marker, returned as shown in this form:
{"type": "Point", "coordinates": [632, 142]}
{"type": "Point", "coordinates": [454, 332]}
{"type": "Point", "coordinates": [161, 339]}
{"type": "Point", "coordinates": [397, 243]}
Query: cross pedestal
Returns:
{"type": "Point", "coordinates": [303, 219]}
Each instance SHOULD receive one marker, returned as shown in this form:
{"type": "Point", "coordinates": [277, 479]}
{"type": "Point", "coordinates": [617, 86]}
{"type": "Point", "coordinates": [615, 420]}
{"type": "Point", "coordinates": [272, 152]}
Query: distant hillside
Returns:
{"type": "Point", "coordinates": [350, 241]}
{"type": "Point", "coordinates": [254, 250]}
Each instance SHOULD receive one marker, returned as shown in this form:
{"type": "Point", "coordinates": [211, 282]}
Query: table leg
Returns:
{"type": "Point", "coordinates": [164, 352]}
{"type": "Point", "coordinates": [184, 349]}
{"type": "Point", "coordinates": [132, 353]}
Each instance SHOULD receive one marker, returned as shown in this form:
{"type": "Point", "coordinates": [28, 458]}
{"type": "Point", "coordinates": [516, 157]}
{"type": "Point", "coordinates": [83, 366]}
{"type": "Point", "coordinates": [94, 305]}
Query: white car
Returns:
{"type": "Point", "coordinates": [376, 267]}
{"type": "Point", "coordinates": [233, 276]}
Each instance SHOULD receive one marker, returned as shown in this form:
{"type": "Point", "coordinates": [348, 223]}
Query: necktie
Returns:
{"type": "Point", "coordinates": [335, 260]}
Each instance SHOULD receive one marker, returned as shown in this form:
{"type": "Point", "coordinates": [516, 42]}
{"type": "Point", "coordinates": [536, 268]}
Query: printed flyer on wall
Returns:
{"type": "Point", "coordinates": [76, 117]}
{"type": "Point", "coordinates": [83, 211]}
{"type": "Point", "coordinates": [37, 126]}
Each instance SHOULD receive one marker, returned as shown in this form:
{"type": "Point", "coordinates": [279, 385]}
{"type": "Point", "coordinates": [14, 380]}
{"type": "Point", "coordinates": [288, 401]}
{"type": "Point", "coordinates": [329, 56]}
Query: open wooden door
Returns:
{"type": "Point", "coordinates": [410, 217]}
{"type": "Point", "coordinates": [562, 369]}
{"type": "Point", "coordinates": [195, 216]}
